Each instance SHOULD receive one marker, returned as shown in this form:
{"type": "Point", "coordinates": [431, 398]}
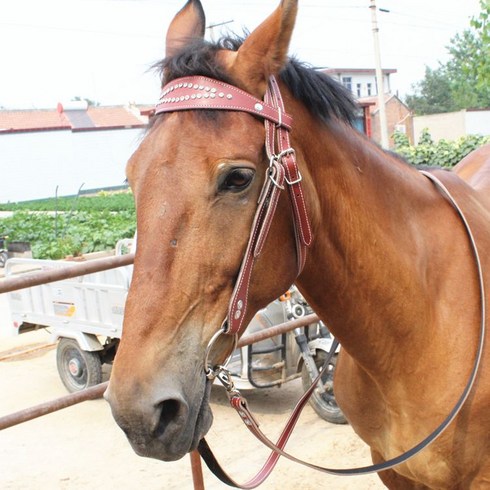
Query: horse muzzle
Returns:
{"type": "Point", "coordinates": [166, 425]}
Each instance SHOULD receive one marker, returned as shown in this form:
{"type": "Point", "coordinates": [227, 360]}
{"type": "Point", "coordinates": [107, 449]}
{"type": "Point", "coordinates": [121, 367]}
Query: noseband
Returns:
{"type": "Point", "coordinates": [197, 92]}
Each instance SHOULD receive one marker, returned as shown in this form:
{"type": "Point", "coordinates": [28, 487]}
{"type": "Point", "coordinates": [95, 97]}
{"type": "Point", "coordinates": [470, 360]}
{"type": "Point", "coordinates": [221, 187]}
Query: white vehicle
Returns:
{"type": "Point", "coordinates": [85, 315]}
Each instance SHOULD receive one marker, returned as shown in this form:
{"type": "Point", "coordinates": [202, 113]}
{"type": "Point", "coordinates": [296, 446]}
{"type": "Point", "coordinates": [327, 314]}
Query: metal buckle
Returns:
{"type": "Point", "coordinates": [297, 181]}
{"type": "Point", "coordinates": [273, 180]}
{"type": "Point", "coordinates": [214, 371]}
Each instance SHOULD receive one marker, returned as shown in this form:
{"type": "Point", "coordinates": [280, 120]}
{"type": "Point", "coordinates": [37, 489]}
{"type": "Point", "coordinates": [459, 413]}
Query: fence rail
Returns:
{"type": "Point", "coordinates": [72, 269]}
{"type": "Point", "coordinates": [76, 269]}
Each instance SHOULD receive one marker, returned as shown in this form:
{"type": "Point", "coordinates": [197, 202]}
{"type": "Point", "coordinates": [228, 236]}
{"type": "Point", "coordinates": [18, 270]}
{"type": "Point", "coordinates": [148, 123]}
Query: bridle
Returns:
{"type": "Point", "coordinates": [199, 92]}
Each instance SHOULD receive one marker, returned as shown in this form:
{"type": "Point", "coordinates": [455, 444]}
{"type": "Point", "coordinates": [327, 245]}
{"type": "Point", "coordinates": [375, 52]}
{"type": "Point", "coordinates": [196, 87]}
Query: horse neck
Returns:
{"type": "Point", "coordinates": [362, 275]}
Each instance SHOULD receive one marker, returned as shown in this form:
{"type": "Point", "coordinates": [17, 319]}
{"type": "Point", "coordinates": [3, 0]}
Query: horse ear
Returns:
{"type": "Point", "coordinates": [188, 24]}
{"type": "Point", "coordinates": [264, 51]}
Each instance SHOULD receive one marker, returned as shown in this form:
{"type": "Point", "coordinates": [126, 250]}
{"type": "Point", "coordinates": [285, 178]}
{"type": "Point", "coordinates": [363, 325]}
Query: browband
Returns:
{"type": "Point", "coordinates": [199, 92]}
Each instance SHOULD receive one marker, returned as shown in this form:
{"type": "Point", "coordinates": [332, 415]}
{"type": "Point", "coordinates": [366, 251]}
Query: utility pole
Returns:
{"type": "Point", "coordinates": [379, 78]}
{"type": "Point", "coordinates": [219, 24]}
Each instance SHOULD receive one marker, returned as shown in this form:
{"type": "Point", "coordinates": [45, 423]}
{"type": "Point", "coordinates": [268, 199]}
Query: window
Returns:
{"type": "Point", "coordinates": [347, 83]}
{"type": "Point", "coordinates": [358, 89]}
{"type": "Point", "coordinates": [369, 89]}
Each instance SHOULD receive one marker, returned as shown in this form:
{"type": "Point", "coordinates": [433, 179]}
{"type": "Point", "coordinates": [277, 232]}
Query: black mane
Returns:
{"type": "Point", "coordinates": [321, 95]}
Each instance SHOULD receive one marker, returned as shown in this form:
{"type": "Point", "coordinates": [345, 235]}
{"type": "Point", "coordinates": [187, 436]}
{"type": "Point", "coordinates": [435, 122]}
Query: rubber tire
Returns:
{"type": "Point", "coordinates": [3, 259]}
{"type": "Point", "coordinates": [90, 366]}
{"type": "Point", "coordinates": [324, 405]}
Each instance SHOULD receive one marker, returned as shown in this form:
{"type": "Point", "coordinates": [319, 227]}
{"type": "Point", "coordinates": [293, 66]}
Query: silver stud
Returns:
{"type": "Point", "coordinates": [238, 314]}
{"type": "Point", "coordinates": [201, 87]}
{"type": "Point", "coordinates": [213, 96]}
{"type": "Point", "coordinates": [196, 86]}
{"type": "Point", "coordinates": [193, 96]}
{"type": "Point", "coordinates": [199, 96]}
{"type": "Point", "coordinates": [213, 90]}
{"type": "Point", "coordinates": [186, 97]}
{"type": "Point", "coordinates": [221, 94]}
{"type": "Point", "coordinates": [207, 89]}
{"type": "Point", "coordinates": [239, 305]}
{"type": "Point", "coordinates": [259, 107]}
{"type": "Point", "coordinates": [229, 96]}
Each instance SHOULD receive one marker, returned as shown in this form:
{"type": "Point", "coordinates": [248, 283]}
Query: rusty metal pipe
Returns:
{"type": "Point", "coordinates": [277, 330]}
{"type": "Point", "coordinates": [97, 391]}
{"type": "Point", "coordinates": [74, 269]}
{"type": "Point", "coordinates": [196, 467]}
{"type": "Point", "coordinates": [66, 401]}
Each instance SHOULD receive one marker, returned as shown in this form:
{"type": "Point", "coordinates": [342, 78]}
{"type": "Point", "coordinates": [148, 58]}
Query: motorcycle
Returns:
{"type": "Point", "coordinates": [299, 353]}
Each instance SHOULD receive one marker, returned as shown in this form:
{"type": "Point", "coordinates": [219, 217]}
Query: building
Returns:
{"type": "Point", "coordinates": [453, 125]}
{"type": "Point", "coordinates": [399, 118]}
{"type": "Point", "coordinates": [360, 81]}
{"type": "Point", "coordinates": [59, 150]}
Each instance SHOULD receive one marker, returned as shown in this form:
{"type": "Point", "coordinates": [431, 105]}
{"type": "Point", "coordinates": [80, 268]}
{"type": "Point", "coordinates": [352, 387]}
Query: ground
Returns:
{"type": "Point", "coordinates": [81, 447]}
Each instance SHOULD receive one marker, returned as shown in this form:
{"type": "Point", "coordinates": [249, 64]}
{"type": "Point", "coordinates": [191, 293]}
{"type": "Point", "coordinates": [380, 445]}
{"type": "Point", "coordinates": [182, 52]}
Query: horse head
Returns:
{"type": "Point", "coordinates": [196, 179]}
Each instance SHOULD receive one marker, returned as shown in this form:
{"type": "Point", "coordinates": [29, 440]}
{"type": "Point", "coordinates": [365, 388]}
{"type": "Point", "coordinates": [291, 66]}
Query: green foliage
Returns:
{"type": "Point", "coordinates": [54, 235]}
{"type": "Point", "coordinates": [432, 94]}
{"type": "Point", "coordinates": [464, 81]}
{"type": "Point", "coordinates": [443, 153]}
{"type": "Point", "coordinates": [103, 201]}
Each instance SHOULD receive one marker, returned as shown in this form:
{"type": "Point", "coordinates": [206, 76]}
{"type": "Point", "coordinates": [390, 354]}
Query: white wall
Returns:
{"type": "Point", "coordinates": [449, 125]}
{"type": "Point", "coordinates": [33, 164]}
{"type": "Point", "coordinates": [453, 125]}
{"type": "Point", "coordinates": [363, 79]}
{"type": "Point", "coordinates": [478, 122]}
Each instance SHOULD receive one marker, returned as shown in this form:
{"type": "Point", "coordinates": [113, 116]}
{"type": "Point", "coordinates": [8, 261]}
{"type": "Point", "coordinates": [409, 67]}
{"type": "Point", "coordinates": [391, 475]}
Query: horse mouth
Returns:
{"type": "Point", "coordinates": [175, 429]}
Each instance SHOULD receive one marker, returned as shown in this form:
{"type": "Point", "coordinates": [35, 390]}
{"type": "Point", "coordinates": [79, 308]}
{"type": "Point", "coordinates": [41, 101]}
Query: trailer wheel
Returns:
{"type": "Point", "coordinates": [78, 369]}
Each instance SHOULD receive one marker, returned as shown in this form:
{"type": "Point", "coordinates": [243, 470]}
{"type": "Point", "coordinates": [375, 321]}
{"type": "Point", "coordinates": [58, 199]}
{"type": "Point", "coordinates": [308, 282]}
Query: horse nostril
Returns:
{"type": "Point", "coordinates": [170, 410]}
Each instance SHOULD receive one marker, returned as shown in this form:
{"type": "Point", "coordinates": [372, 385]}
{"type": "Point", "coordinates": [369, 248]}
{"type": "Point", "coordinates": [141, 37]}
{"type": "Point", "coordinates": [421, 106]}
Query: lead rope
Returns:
{"type": "Point", "coordinates": [238, 402]}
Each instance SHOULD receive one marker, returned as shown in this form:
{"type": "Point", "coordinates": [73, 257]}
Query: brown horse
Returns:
{"type": "Point", "coordinates": [390, 269]}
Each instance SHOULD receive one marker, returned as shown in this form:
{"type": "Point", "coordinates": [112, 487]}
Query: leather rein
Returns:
{"type": "Point", "coordinates": [199, 92]}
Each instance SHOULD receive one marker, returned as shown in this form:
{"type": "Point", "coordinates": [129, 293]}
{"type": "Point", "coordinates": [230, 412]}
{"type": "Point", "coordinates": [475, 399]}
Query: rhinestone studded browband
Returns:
{"type": "Point", "coordinates": [198, 92]}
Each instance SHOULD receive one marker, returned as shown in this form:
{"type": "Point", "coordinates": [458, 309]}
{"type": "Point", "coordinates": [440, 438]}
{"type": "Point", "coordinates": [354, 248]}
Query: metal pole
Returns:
{"type": "Point", "coordinates": [379, 78]}
{"type": "Point", "coordinates": [66, 401]}
{"type": "Point", "coordinates": [277, 330]}
{"type": "Point", "coordinates": [74, 269]}
{"type": "Point", "coordinates": [196, 466]}
{"type": "Point", "coordinates": [97, 391]}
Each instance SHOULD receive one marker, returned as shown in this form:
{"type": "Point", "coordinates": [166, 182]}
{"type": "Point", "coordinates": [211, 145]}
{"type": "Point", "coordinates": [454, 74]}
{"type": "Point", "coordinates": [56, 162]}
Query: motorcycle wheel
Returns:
{"type": "Point", "coordinates": [324, 403]}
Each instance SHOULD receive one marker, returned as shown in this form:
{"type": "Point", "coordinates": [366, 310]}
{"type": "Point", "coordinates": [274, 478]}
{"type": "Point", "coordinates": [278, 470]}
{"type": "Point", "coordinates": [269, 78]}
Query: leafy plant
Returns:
{"type": "Point", "coordinates": [444, 153]}
{"type": "Point", "coordinates": [54, 237]}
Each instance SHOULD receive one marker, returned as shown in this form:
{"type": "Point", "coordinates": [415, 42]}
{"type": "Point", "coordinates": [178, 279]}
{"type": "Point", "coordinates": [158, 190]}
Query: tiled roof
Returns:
{"type": "Point", "coordinates": [32, 120]}
{"type": "Point", "coordinates": [75, 120]}
{"type": "Point", "coordinates": [104, 117]}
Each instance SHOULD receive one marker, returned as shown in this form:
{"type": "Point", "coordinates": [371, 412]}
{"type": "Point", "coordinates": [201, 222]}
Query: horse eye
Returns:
{"type": "Point", "coordinates": [237, 180]}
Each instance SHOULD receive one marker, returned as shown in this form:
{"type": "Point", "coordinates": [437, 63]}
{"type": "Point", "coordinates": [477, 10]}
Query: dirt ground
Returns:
{"type": "Point", "coordinates": [81, 446]}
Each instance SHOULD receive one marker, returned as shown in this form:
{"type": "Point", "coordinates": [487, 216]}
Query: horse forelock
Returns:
{"type": "Point", "coordinates": [325, 98]}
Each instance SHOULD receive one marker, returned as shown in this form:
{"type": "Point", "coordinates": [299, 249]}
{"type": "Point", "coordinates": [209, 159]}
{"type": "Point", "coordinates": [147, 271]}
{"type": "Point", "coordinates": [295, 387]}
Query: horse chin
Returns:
{"type": "Point", "coordinates": [173, 443]}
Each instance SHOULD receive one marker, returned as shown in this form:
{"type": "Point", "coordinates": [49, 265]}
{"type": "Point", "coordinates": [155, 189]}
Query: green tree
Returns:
{"type": "Point", "coordinates": [464, 81]}
{"type": "Point", "coordinates": [432, 94]}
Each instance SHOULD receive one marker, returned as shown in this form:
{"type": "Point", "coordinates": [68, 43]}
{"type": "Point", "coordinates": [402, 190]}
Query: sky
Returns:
{"type": "Point", "coordinates": [54, 50]}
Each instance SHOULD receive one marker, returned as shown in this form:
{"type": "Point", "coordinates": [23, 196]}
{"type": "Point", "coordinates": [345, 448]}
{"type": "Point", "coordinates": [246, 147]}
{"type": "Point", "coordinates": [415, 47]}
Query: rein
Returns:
{"type": "Point", "coordinates": [197, 92]}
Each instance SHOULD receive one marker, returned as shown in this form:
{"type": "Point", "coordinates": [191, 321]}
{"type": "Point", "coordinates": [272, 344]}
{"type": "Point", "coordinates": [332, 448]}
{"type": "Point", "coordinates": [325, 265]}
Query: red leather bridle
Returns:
{"type": "Point", "coordinates": [199, 92]}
